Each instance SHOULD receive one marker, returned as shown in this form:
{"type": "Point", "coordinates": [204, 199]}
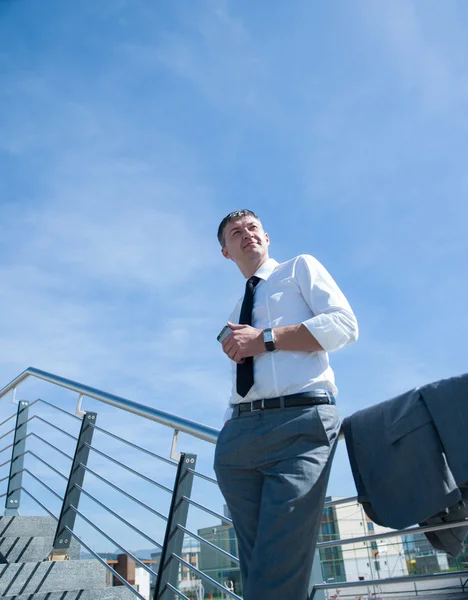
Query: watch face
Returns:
{"type": "Point", "coordinates": [268, 336]}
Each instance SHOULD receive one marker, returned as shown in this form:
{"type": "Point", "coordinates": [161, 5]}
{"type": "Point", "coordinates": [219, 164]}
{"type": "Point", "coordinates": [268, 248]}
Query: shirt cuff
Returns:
{"type": "Point", "coordinates": [333, 331]}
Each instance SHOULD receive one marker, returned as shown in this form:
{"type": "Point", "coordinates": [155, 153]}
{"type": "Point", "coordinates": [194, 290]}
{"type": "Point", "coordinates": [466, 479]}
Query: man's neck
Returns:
{"type": "Point", "coordinates": [251, 268]}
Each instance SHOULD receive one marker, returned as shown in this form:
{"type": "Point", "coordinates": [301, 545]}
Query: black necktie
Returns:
{"type": "Point", "coordinates": [245, 374]}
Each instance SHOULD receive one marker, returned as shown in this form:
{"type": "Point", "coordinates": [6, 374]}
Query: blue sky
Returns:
{"type": "Point", "coordinates": [129, 129]}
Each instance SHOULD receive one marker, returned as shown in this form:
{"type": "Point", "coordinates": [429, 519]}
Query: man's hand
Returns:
{"type": "Point", "coordinates": [243, 341]}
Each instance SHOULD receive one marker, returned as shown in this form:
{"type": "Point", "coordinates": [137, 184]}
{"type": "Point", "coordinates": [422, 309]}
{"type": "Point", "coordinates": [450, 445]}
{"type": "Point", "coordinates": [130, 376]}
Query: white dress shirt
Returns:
{"type": "Point", "coordinates": [299, 290]}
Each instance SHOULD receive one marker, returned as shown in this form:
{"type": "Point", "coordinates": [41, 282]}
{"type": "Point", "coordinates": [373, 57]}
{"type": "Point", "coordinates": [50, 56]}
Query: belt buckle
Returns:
{"type": "Point", "coordinates": [262, 405]}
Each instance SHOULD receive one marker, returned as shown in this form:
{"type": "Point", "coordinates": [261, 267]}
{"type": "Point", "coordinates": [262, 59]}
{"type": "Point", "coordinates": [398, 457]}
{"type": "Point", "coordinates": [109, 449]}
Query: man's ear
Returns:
{"type": "Point", "coordinates": [225, 253]}
{"type": "Point", "coordinates": [267, 237]}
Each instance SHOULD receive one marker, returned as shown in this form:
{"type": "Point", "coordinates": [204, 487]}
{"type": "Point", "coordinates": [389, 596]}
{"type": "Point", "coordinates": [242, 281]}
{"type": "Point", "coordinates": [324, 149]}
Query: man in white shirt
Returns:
{"type": "Point", "coordinates": [274, 454]}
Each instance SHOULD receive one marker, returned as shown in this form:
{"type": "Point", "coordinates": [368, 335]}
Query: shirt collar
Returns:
{"type": "Point", "coordinates": [266, 269]}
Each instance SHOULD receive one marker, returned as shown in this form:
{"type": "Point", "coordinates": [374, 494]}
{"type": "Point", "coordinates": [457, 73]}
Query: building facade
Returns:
{"type": "Point", "coordinates": [375, 559]}
{"type": "Point", "coordinates": [218, 566]}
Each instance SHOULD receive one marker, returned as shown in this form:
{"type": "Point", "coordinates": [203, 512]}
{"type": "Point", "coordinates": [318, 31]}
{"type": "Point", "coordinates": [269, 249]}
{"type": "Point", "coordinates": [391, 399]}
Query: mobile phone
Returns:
{"type": "Point", "coordinates": [225, 331]}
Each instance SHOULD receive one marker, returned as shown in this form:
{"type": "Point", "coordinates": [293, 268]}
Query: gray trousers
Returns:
{"type": "Point", "coordinates": [272, 468]}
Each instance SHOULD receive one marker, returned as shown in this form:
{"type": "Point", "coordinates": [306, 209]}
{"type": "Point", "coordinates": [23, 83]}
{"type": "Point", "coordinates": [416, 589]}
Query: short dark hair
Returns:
{"type": "Point", "coordinates": [233, 216]}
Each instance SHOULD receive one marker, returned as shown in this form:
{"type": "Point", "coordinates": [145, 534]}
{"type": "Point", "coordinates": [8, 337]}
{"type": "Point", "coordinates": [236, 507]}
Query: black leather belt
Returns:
{"type": "Point", "coordinates": [293, 400]}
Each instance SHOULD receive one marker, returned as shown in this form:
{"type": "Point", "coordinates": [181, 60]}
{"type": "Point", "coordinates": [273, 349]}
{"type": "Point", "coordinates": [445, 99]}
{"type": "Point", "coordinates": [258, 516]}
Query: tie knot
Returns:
{"type": "Point", "coordinates": [253, 281]}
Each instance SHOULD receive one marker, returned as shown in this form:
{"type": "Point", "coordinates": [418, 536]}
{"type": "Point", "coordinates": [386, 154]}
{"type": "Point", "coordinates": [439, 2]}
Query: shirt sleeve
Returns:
{"type": "Point", "coordinates": [333, 324]}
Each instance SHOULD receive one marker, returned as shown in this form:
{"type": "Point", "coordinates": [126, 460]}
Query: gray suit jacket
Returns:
{"type": "Point", "coordinates": [409, 457]}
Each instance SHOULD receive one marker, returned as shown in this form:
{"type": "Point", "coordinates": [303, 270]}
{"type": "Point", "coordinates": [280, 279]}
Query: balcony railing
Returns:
{"type": "Point", "coordinates": [52, 465]}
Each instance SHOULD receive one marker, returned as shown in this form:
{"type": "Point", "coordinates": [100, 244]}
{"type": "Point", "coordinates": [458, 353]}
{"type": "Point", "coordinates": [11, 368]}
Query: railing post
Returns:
{"type": "Point", "coordinates": [173, 540]}
{"type": "Point", "coordinates": [67, 518]}
{"type": "Point", "coordinates": [15, 478]}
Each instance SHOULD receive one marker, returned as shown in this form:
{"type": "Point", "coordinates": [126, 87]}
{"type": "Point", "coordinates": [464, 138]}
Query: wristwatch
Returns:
{"type": "Point", "coordinates": [269, 340]}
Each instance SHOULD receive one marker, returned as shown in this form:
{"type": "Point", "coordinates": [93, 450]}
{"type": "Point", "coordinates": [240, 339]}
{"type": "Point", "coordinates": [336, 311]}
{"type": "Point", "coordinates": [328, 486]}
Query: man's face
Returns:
{"type": "Point", "coordinates": [245, 241]}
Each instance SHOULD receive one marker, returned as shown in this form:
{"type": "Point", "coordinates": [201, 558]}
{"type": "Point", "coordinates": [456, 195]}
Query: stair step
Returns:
{"type": "Point", "coordinates": [108, 593]}
{"type": "Point", "coordinates": [42, 577]}
{"type": "Point", "coordinates": [31, 549]}
{"type": "Point", "coordinates": [27, 527]}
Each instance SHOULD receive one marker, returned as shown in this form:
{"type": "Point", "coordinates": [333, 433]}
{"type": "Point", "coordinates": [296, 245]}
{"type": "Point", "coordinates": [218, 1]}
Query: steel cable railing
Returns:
{"type": "Point", "coordinates": [6, 448]}
{"type": "Point", "coordinates": [141, 564]}
{"type": "Point", "coordinates": [110, 539]}
{"type": "Point", "coordinates": [49, 424]}
{"type": "Point", "coordinates": [117, 516]}
{"type": "Point", "coordinates": [80, 514]}
{"type": "Point", "coordinates": [87, 547]}
{"type": "Point", "coordinates": [129, 496]}
{"type": "Point", "coordinates": [195, 430]}
{"type": "Point", "coordinates": [177, 592]}
{"type": "Point", "coordinates": [47, 464]}
{"type": "Point", "coordinates": [43, 484]}
{"type": "Point", "coordinates": [206, 577]}
{"type": "Point", "coordinates": [390, 534]}
{"type": "Point", "coordinates": [57, 408]}
{"type": "Point", "coordinates": [61, 452]}
{"type": "Point", "coordinates": [391, 580]}
{"type": "Point", "coordinates": [136, 447]}
{"type": "Point", "coordinates": [8, 419]}
{"type": "Point", "coordinates": [155, 512]}
{"type": "Point", "coordinates": [7, 433]}
{"type": "Point", "coordinates": [202, 476]}
{"type": "Point", "coordinates": [213, 513]}
{"type": "Point", "coordinates": [130, 470]}
{"type": "Point", "coordinates": [209, 544]}
{"type": "Point", "coordinates": [113, 513]}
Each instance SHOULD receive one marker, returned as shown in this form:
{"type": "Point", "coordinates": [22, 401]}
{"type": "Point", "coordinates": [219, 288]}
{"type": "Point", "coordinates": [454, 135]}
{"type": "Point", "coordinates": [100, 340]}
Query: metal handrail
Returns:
{"type": "Point", "coordinates": [203, 432]}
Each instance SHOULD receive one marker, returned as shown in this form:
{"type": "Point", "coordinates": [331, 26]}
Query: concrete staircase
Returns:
{"type": "Point", "coordinates": [25, 574]}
